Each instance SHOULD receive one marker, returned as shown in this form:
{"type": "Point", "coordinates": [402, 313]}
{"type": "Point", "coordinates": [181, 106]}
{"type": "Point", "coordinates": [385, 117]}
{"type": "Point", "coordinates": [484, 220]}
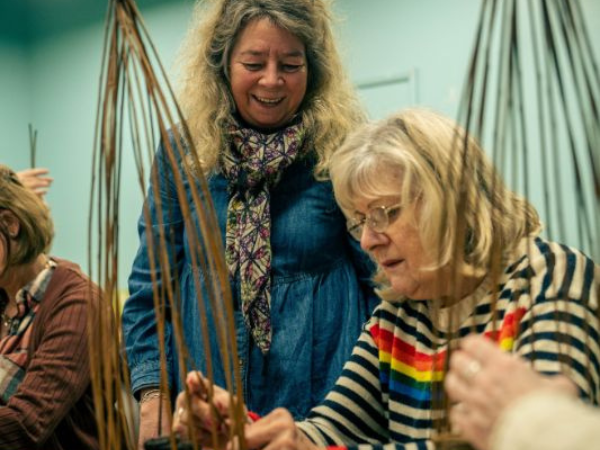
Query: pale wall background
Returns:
{"type": "Point", "coordinates": [50, 52]}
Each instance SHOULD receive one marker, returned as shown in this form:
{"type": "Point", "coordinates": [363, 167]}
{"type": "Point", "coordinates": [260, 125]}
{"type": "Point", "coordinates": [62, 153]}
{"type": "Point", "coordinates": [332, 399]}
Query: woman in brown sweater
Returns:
{"type": "Point", "coordinates": [45, 392]}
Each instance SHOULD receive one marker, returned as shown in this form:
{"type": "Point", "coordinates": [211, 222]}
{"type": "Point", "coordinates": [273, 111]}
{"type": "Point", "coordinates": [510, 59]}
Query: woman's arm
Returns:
{"type": "Point", "coordinates": [160, 229]}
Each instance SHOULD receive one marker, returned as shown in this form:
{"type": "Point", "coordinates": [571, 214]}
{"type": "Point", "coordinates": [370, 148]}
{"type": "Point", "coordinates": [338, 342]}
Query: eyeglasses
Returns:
{"type": "Point", "coordinates": [377, 219]}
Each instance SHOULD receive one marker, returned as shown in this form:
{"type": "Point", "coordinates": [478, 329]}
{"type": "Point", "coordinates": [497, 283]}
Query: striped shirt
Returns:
{"type": "Point", "coordinates": [546, 311]}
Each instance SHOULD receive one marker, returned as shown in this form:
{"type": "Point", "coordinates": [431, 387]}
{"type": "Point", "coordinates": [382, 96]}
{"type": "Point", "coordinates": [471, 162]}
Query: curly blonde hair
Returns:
{"type": "Point", "coordinates": [36, 229]}
{"type": "Point", "coordinates": [330, 109]}
{"type": "Point", "coordinates": [420, 154]}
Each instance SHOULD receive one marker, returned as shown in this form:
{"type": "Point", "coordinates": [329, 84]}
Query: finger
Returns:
{"type": "Point", "coordinates": [285, 440]}
{"type": "Point", "coordinates": [217, 397]}
{"type": "Point", "coordinates": [180, 401]}
{"type": "Point", "coordinates": [475, 392]}
{"type": "Point", "coordinates": [33, 172]}
{"type": "Point", "coordinates": [205, 415]}
{"type": "Point", "coordinates": [463, 422]}
{"type": "Point", "coordinates": [37, 171]}
{"type": "Point", "coordinates": [190, 424]}
{"type": "Point", "coordinates": [38, 182]}
{"type": "Point", "coordinates": [455, 387]}
{"type": "Point", "coordinates": [179, 421]}
{"type": "Point", "coordinates": [44, 181]}
{"type": "Point", "coordinates": [197, 384]}
{"type": "Point", "coordinates": [265, 430]}
{"type": "Point", "coordinates": [463, 365]}
{"type": "Point", "coordinates": [480, 348]}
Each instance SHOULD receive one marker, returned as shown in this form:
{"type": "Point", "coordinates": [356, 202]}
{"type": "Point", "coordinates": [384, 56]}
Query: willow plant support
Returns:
{"type": "Point", "coordinates": [531, 98]}
{"type": "Point", "coordinates": [136, 111]}
{"type": "Point", "coordinates": [32, 146]}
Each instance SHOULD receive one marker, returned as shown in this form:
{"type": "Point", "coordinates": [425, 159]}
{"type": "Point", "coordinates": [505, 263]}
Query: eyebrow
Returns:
{"type": "Point", "coordinates": [293, 53]}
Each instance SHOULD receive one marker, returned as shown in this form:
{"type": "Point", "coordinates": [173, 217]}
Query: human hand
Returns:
{"type": "Point", "coordinates": [36, 180]}
{"type": "Point", "coordinates": [277, 431]}
{"type": "Point", "coordinates": [484, 381]}
{"type": "Point", "coordinates": [149, 420]}
{"type": "Point", "coordinates": [200, 416]}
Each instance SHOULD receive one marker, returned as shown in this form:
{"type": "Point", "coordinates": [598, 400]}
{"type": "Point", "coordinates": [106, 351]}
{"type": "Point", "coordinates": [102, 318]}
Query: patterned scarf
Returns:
{"type": "Point", "coordinates": [252, 166]}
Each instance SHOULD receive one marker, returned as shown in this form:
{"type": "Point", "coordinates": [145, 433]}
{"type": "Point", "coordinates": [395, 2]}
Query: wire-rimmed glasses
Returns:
{"type": "Point", "coordinates": [377, 219]}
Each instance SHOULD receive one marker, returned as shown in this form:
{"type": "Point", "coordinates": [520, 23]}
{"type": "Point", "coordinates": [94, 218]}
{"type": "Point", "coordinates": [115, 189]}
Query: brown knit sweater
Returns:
{"type": "Point", "coordinates": [52, 408]}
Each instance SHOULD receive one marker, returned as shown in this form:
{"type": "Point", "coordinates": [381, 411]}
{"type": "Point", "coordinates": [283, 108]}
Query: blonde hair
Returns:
{"type": "Point", "coordinates": [432, 162]}
{"type": "Point", "coordinates": [330, 109]}
{"type": "Point", "coordinates": [36, 229]}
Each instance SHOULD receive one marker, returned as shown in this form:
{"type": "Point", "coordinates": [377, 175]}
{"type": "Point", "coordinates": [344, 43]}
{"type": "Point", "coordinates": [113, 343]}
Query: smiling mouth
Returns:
{"type": "Point", "coordinates": [268, 101]}
{"type": "Point", "coordinates": [391, 264]}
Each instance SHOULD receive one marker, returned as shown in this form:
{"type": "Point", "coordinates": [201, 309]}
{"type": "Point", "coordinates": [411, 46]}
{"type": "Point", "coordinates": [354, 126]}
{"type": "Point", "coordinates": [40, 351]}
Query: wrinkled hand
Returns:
{"type": "Point", "coordinates": [484, 381]}
{"type": "Point", "coordinates": [277, 431]}
{"type": "Point", "coordinates": [197, 418]}
{"type": "Point", "coordinates": [36, 180]}
{"type": "Point", "coordinates": [149, 417]}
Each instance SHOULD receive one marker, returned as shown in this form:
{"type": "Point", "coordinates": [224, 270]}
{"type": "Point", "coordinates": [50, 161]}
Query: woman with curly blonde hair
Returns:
{"type": "Point", "coordinates": [329, 108]}
{"type": "Point", "coordinates": [267, 104]}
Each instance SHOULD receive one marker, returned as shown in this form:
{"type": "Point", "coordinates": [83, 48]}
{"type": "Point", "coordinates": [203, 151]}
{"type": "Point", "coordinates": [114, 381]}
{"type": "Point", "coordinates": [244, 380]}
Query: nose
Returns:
{"type": "Point", "coordinates": [271, 76]}
{"type": "Point", "coordinates": [370, 239]}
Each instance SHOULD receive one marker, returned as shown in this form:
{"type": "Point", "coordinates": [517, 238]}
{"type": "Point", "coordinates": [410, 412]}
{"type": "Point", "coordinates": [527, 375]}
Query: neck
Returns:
{"type": "Point", "coordinates": [15, 278]}
{"type": "Point", "coordinates": [462, 287]}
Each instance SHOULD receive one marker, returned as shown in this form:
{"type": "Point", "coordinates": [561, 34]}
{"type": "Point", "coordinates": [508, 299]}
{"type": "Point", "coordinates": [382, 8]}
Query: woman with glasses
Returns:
{"type": "Point", "coordinates": [429, 208]}
{"type": "Point", "coordinates": [45, 302]}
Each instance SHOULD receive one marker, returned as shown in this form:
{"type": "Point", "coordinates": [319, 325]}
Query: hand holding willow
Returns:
{"type": "Point", "coordinates": [203, 413]}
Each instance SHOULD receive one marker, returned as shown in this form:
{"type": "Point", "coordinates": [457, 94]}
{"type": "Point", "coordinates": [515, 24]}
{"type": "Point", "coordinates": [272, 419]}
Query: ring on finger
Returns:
{"type": "Point", "coordinates": [471, 369]}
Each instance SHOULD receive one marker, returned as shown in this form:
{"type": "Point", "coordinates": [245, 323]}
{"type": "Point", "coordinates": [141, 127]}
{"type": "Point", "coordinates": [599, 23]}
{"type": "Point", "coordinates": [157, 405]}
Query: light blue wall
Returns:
{"type": "Point", "coordinates": [389, 37]}
{"type": "Point", "coordinates": [53, 83]}
{"type": "Point", "coordinates": [15, 112]}
{"type": "Point", "coordinates": [65, 85]}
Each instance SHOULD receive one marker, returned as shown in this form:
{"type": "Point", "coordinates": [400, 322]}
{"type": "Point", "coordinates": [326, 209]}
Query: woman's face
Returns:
{"type": "Point", "coordinates": [268, 74]}
{"type": "Point", "coordinates": [398, 250]}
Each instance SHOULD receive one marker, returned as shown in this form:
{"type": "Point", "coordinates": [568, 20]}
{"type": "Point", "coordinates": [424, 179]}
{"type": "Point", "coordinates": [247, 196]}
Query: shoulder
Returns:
{"type": "Point", "coordinates": [69, 281]}
{"type": "Point", "coordinates": [541, 252]}
{"type": "Point", "coordinates": [173, 149]}
{"type": "Point", "coordinates": [555, 270]}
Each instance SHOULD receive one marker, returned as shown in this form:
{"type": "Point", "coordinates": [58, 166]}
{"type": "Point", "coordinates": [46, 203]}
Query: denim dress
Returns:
{"type": "Point", "coordinates": [321, 295]}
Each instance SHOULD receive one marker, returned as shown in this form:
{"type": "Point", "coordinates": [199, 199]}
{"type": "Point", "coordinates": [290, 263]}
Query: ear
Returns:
{"type": "Point", "coordinates": [11, 223]}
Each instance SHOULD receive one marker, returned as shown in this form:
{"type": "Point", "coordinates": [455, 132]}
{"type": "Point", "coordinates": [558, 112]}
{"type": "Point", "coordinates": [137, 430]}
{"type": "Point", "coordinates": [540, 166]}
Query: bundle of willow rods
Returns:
{"type": "Point", "coordinates": [531, 98]}
{"type": "Point", "coordinates": [137, 110]}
